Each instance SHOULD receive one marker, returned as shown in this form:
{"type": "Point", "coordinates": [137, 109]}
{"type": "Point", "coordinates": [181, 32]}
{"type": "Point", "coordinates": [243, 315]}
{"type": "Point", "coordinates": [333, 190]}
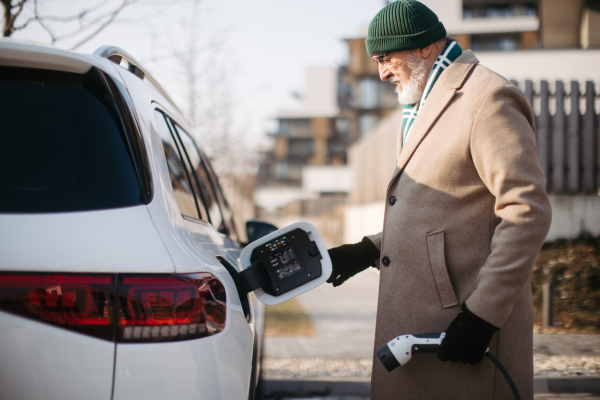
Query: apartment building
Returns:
{"type": "Point", "coordinates": [507, 25]}
{"type": "Point", "coordinates": [308, 135]}
{"type": "Point", "coordinates": [362, 97]}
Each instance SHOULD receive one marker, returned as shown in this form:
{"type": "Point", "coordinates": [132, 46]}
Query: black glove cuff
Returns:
{"type": "Point", "coordinates": [350, 259]}
{"type": "Point", "coordinates": [466, 339]}
{"type": "Point", "coordinates": [481, 322]}
{"type": "Point", "coordinates": [370, 249]}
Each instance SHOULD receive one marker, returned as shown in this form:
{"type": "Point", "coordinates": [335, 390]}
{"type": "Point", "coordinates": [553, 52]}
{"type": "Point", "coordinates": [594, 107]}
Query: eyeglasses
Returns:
{"type": "Point", "coordinates": [382, 60]}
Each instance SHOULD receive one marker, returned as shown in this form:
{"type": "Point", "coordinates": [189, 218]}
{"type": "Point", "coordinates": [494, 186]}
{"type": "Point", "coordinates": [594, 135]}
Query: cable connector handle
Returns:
{"type": "Point", "coordinates": [400, 350]}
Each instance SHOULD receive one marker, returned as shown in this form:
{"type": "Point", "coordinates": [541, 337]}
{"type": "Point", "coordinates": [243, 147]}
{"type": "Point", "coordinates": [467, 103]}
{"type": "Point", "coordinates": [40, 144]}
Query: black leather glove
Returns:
{"type": "Point", "coordinates": [350, 259]}
{"type": "Point", "coordinates": [467, 338]}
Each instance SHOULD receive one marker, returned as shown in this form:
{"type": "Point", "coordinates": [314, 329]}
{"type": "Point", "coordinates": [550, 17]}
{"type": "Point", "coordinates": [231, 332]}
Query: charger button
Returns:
{"type": "Point", "coordinates": [314, 251]}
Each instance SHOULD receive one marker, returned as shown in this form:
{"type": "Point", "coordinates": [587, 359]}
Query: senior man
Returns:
{"type": "Point", "coordinates": [466, 215]}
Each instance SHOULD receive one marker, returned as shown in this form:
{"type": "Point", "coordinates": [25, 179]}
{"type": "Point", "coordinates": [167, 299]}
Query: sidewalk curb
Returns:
{"type": "Point", "coordinates": [277, 388]}
{"type": "Point", "coordinates": [571, 384]}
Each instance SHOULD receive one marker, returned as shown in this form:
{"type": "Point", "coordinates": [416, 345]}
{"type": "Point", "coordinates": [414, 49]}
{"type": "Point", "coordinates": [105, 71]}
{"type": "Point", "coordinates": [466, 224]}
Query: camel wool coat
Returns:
{"type": "Point", "coordinates": [466, 215]}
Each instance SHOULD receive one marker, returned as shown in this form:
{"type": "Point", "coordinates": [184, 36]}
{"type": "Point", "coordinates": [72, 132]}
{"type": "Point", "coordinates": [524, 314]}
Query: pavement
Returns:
{"type": "Point", "coordinates": [343, 318]}
{"type": "Point", "coordinates": [344, 322]}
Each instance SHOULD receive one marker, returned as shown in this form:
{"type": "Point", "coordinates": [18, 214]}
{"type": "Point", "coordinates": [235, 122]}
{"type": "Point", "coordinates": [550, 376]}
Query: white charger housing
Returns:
{"type": "Point", "coordinates": [313, 235]}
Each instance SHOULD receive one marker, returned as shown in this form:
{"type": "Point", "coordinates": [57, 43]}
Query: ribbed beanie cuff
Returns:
{"type": "Point", "coordinates": [403, 25]}
{"type": "Point", "coordinates": [387, 44]}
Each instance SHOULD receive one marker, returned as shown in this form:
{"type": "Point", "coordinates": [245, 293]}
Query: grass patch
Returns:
{"type": "Point", "coordinates": [288, 319]}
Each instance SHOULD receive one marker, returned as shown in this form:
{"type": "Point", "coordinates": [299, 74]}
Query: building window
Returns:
{"type": "Point", "coordinates": [491, 9]}
{"type": "Point", "coordinates": [345, 94]}
{"type": "Point", "coordinates": [302, 148]}
{"type": "Point", "coordinates": [496, 42]}
{"type": "Point", "coordinates": [366, 123]}
{"type": "Point", "coordinates": [294, 127]}
{"type": "Point", "coordinates": [341, 125]}
{"type": "Point", "coordinates": [281, 170]}
{"type": "Point", "coordinates": [369, 94]}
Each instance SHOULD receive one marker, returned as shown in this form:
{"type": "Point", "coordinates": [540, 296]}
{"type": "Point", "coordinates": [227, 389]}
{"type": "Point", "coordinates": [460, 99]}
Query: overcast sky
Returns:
{"type": "Point", "coordinates": [265, 44]}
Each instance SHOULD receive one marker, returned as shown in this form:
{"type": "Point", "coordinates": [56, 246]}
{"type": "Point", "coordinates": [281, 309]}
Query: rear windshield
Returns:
{"type": "Point", "coordinates": [62, 144]}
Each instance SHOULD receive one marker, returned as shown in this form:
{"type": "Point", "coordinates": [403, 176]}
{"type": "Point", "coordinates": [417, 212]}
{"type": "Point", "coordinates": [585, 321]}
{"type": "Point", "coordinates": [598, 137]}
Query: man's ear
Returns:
{"type": "Point", "coordinates": [426, 51]}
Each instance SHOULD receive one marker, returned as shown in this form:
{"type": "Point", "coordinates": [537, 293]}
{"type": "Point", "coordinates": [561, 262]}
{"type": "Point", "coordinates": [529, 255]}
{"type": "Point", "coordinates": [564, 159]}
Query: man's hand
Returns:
{"type": "Point", "coordinates": [467, 338]}
{"type": "Point", "coordinates": [350, 259]}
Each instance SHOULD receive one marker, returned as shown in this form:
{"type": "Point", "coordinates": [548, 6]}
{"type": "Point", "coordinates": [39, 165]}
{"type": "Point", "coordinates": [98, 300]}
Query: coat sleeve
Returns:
{"type": "Point", "coordinates": [504, 151]}
{"type": "Point", "coordinates": [376, 239]}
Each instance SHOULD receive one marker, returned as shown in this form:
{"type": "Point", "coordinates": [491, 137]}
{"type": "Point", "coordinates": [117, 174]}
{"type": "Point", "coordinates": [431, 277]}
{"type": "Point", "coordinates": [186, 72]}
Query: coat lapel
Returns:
{"type": "Point", "coordinates": [441, 94]}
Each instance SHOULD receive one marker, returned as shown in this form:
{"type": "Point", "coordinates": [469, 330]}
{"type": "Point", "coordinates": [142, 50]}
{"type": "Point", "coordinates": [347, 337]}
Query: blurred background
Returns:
{"type": "Point", "coordinates": [289, 106]}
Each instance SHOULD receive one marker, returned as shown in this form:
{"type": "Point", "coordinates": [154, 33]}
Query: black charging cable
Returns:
{"type": "Point", "coordinates": [506, 376]}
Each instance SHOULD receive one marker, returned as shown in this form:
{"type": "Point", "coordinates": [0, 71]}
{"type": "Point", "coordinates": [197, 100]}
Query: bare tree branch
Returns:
{"type": "Point", "coordinates": [85, 19]}
{"type": "Point", "coordinates": [10, 16]}
{"type": "Point", "coordinates": [177, 54]}
{"type": "Point", "coordinates": [19, 8]}
{"type": "Point", "coordinates": [7, 14]}
{"type": "Point", "coordinates": [24, 24]}
{"type": "Point", "coordinates": [75, 17]}
{"type": "Point", "coordinates": [104, 25]}
{"type": "Point", "coordinates": [41, 22]}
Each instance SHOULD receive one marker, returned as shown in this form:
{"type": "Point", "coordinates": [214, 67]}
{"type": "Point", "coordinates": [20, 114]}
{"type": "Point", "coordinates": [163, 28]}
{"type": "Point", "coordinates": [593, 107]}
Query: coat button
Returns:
{"type": "Point", "coordinates": [392, 200]}
{"type": "Point", "coordinates": [385, 261]}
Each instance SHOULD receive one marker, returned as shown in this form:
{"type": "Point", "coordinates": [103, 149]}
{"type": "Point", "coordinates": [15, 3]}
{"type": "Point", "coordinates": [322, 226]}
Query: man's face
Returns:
{"type": "Point", "coordinates": [407, 70]}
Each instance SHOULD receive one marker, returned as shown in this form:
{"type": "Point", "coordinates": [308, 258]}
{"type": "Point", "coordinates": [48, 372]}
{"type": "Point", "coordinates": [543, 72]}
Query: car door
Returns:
{"type": "Point", "coordinates": [197, 194]}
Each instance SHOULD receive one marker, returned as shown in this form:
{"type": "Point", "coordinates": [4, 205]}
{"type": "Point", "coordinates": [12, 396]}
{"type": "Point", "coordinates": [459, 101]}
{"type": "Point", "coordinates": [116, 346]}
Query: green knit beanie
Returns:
{"type": "Point", "coordinates": [403, 25]}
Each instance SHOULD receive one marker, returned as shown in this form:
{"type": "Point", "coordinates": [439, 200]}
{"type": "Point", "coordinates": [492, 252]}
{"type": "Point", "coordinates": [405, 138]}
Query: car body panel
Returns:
{"type": "Point", "coordinates": [216, 367]}
{"type": "Point", "coordinates": [117, 240]}
{"type": "Point", "coordinates": [40, 361]}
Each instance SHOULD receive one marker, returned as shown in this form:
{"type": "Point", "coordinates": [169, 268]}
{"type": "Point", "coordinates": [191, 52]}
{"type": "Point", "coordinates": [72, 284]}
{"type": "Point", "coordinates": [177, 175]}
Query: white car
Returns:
{"type": "Point", "coordinates": [116, 243]}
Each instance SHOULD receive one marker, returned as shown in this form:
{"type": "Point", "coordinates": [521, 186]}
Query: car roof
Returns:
{"type": "Point", "coordinates": [32, 54]}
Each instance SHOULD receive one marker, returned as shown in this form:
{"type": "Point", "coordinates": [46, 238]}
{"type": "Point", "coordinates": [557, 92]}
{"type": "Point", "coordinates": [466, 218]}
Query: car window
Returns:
{"type": "Point", "coordinates": [225, 208]}
{"type": "Point", "coordinates": [180, 177]}
{"type": "Point", "coordinates": [205, 188]}
{"type": "Point", "coordinates": [64, 147]}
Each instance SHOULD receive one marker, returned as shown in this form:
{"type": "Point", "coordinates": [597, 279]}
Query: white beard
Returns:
{"type": "Point", "coordinates": [411, 92]}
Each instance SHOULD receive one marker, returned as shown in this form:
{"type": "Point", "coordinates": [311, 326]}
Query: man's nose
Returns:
{"type": "Point", "coordinates": [384, 74]}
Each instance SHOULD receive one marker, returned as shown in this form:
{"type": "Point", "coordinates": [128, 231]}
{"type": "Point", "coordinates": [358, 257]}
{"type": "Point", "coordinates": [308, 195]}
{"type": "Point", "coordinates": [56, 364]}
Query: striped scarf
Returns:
{"type": "Point", "coordinates": [411, 111]}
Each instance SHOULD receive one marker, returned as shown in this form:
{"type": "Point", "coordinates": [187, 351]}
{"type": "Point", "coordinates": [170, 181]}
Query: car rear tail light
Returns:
{"type": "Point", "coordinates": [83, 303]}
{"type": "Point", "coordinates": [170, 307]}
{"type": "Point", "coordinates": [149, 307]}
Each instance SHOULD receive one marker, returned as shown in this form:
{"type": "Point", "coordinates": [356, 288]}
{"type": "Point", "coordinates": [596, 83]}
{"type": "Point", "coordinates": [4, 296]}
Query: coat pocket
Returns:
{"type": "Point", "coordinates": [437, 262]}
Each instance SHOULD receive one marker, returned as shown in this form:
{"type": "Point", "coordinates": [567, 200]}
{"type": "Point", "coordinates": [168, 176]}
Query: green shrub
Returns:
{"type": "Point", "coordinates": [574, 266]}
